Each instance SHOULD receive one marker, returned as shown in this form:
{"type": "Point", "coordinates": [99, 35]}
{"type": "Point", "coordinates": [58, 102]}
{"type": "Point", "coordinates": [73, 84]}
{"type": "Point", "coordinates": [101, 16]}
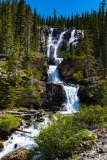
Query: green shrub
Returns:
{"type": "Point", "coordinates": [31, 88]}
{"type": "Point", "coordinates": [78, 75]}
{"type": "Point", "coordinates": [37, 74]}
{"type": "Point", "coordinates": [8, 122]}
{"type": "Point", "coordinates": [38, 97]}
{"type": "Point", "coordinates": [40, 110]}
{"type": "Point", "coordinates": [90, 117]}
{"type": "Point", "coordinates": [59, 138]}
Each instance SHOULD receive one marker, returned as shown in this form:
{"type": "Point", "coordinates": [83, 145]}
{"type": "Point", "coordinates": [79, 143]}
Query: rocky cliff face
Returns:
{"type": "Point", "coordinates": [36, 97]}
{"type": "Point", "coordinates": [68, 67]}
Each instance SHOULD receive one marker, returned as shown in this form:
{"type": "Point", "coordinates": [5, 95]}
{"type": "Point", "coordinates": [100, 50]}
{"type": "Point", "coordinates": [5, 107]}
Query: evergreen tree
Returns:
{"type": "Point", "coordinates": [55, 18]}
{"type": "Point", "coordinates": [35, 42]}
{"type": "Point", "coordinates": [29, 32]}
{"type": "Point", "coordinates": [22, 27]}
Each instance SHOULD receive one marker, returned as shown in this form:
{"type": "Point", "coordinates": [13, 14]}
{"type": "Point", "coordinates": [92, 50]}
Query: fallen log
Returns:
{"type": "Point", "coordinates": [14, 112]}
{"type": "Point", "coordinates": [20, 130]}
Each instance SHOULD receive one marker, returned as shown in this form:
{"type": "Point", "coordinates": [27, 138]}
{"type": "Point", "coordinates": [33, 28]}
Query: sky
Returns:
{"type": "Point", "coordinates": [64, 7]}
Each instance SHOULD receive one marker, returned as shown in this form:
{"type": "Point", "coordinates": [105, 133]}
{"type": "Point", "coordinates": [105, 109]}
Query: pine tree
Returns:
{"type": "Point", "coordinates": [104, 47]}
{"type": "Point", "coordinates": [29, 32]}
{"type": "Point", "coordinates": [14, 9]}
{"type": "Point", "coordinates": [21, 28]}
{"type": "Point", "coordinates": [35, 43]}
{"type": "Point", "coordinates": [0, 27]}
{"type": "Point", "coordinates": [54, 19]}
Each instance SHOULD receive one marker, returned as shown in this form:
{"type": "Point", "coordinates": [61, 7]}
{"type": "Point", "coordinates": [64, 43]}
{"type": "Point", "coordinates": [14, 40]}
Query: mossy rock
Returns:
{"type": "Point", "coordinates": [19, 154]}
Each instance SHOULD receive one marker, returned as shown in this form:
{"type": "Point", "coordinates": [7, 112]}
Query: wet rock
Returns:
{"type": "Point", "coordinates": [1, 145]}
{"type": "Point", "coordinates": [40, 120]}
{"type": "Point", "coordinates": [56, 31]}
{"type": "Point", "coordinates": [16, 145]}
{"type": "Point", "coordinates": [67, 35]}
{"type": "Point", "coordinates": [4, 134]}
{"type": "Point", "coordinates": [55, 108]}
{"type": "Point", "coordinates": [62, 47]}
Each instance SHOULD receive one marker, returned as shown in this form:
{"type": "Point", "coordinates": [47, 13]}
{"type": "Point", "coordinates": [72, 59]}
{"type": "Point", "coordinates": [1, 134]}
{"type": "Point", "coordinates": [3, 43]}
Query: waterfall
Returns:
{"type": "Point", "coordinates": [71, 103]}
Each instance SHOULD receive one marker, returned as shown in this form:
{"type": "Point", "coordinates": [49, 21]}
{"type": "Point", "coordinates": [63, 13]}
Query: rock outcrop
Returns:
{"type": "Point", "coordinates": [68, 67]}
{"type": "Point", "coordinates": [55, 96]}
{"type": "Point", "coordinates": [36, 97]}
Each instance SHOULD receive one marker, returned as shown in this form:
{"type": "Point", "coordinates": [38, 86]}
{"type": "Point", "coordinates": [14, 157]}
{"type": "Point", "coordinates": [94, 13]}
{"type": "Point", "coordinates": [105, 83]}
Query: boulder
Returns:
{"type": "Point", "coordinates": [55, 96]}
{"type": "Point", "coordinates": [4, 134]}
{"type": "Point", "coordinates": [55, 92]}
{"type": "Point", "coordinates": [19, 154]}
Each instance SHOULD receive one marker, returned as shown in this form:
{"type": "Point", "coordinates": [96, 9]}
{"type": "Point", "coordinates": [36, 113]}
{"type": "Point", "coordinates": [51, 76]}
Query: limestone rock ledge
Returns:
{"type": "Point", "coordinates": [68, 67]}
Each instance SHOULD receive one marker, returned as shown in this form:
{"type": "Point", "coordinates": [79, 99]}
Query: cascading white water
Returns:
{"type": "Point", "coordinates": [53, 73]}
{"type": "Point", "coordinates": [72, 36]}
{"type": "Point", "coordinates": [71, 103]}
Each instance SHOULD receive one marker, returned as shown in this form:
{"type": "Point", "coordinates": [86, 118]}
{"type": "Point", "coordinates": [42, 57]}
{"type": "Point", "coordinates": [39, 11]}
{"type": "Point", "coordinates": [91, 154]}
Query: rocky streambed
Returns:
{"type": "Point", "coordinates": [96, 150]}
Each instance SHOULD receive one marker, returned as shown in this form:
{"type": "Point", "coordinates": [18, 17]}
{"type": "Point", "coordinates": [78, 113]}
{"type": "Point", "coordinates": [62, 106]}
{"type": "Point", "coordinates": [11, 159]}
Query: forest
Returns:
{"type": "Point", "coordinates": [21, 51]}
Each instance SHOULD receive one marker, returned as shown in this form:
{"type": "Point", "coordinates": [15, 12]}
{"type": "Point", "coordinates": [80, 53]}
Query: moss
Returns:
{"type": "Point", "coordinates": [8, 122]}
